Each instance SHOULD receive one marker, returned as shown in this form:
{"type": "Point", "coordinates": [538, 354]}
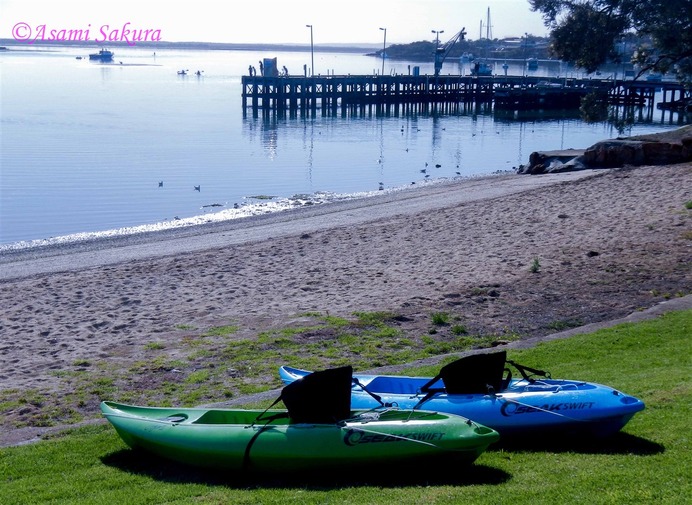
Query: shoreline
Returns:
{"type": "Point", "coordinates": [94, 252]}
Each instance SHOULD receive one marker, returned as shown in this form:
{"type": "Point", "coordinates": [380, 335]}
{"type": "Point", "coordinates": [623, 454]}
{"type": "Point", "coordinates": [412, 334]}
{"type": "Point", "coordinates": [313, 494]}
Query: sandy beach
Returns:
{"type": "Point", "coordinates": [609, 243]}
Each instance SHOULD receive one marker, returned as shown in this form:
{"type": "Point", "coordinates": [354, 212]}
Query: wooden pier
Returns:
{"type": "Point", "coordinates": [289, 93]}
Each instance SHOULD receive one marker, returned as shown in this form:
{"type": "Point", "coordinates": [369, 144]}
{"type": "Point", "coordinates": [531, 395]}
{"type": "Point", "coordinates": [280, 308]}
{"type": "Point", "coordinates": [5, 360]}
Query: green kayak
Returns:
{"type": "Point", "coordinates": [299, 437]}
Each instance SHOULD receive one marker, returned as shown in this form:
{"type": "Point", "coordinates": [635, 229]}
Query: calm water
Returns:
{"type": "Point", "coordinates": [89, 148]}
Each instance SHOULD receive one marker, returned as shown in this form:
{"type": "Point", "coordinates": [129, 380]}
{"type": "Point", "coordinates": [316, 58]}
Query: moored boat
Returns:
{"type": "Point", "coordinates": [481, 388]}
{"type": "Point", "coordinates": [102, 55]}
{"type": "Point", "coordinates": [312, 433]}
{"type": "Point", "coordinates": [481, 69]}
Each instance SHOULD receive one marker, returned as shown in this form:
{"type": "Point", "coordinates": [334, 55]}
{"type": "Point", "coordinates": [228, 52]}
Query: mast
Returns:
{"type": "Point", "coordinates": [488, 27]}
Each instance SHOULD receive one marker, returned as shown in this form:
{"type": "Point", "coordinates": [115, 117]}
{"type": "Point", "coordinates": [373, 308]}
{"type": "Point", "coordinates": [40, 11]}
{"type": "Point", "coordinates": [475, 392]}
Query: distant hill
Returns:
{"type": "Point", "coordinates": [508, 48]}
{"type": "Point", "coordinates": [12, 44]}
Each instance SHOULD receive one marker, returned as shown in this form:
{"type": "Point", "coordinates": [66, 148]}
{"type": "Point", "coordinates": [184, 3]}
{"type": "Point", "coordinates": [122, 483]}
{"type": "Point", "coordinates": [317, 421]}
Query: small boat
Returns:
{"type": "Point", "coordinates": [532, 64]}
{"type": "Point", "coordinates": [481, 388]}
{"type": "Point", "coordinates": [102, 55]}
{"type": "Point", "coordinates": [318, 430]}
{"type": "Point", "coordinates": [481, 69]}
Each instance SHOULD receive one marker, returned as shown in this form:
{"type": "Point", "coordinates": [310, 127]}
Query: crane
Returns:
{"type": "Point", "coordinates": [442, 51]}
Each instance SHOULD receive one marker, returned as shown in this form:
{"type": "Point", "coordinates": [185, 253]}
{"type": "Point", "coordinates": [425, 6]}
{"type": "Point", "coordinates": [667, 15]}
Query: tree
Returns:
{"type": "Point", "coordinates": [585, 32]}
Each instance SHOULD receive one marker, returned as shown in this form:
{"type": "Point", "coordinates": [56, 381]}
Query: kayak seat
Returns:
{"type": "Point", "coordinates": [322, 397]}
{"type": "Point", "coordinates": [475, 374]}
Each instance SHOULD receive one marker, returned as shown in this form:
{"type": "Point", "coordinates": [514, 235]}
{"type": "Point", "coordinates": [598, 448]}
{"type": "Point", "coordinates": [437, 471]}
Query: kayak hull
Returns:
{"type": "Point", "coordinates": [269, 441]}
{"type": "Point", "coordinates": [545, 406]}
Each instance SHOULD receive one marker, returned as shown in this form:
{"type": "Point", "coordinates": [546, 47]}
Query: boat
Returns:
{"type": "Point", "coordinates": [317, 430]}
{"type": "Point", "coordinates": [532, 64]}
{"type": "Point", "coordinates": [102, 55]}
{"type": "Point", "coordinates": [480, 68]}
{"type": "Point", "coordinates": [481, 387]}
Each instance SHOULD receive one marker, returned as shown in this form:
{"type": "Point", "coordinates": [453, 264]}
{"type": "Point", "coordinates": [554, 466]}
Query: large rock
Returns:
{"type": "Point", "coordinates": [655, 149]}
{"type": "Point", "coordinates": [615, 153]}
{"type": "Point", "coordinates": [545, 162]}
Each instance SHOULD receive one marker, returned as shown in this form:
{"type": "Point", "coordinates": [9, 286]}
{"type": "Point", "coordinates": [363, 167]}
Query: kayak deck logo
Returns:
{"type": "Point", "coordinates": [356, 437]}
{"type": "Point", "coordinates": [511, 408]}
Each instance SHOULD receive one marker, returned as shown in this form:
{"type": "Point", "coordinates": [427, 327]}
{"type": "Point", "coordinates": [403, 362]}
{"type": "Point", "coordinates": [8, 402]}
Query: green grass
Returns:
{"type": "Point", "coordinates": [564, 325]}
{"type": "Point", "coordinates": [648, 463]}
{"type": "Point", "coordinates": [440, 318]}
{"type": "Point", "coordinates": [221, 331]}
{"type": "Point", "coordinates": [535, 266]}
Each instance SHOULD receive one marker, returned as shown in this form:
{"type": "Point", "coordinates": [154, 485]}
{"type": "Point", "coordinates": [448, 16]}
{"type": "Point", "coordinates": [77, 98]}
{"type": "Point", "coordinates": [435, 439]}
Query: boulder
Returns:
{"type": "Point", "coordinates": [656, 149]}
{"type": "Point", "coordinates": [615, 153]}
{"type": "Point", "coordinates": [545, 162]}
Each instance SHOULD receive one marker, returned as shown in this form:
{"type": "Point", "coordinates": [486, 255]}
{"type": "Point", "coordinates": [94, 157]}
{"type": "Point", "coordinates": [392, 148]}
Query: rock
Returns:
{"type": "Point", "coordinates": [656, 149]}
{"type": "Point", "coordinates": [633, 151]}
{"type": "Point", "coordinates": [544, 162]}
{"type": "Point", "coordinates": [614, 153]}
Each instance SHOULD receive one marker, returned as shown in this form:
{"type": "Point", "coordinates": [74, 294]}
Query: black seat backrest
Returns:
{"type": "Point", "coordinates": [475, 374]}
{"type": "Point", "coordinates": [323, 397]}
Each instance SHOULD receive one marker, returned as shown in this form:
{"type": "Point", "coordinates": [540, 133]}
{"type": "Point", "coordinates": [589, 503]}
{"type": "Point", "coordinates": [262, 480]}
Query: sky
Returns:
{"type": "Point", "coordinates": [265, 21]}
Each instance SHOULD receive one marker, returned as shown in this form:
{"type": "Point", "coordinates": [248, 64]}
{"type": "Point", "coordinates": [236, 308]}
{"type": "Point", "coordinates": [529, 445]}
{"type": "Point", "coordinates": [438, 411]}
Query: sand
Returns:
{"type": "Point", "coordinates": [609, 243]}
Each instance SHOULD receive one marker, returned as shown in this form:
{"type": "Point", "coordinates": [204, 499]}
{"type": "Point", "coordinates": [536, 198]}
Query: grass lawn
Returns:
{"type": "Point", "coordinates": [649, 462]}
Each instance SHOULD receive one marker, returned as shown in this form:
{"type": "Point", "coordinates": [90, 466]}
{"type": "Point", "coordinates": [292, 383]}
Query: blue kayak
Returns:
{"type": "Point", "coordinates": [481, 387]}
